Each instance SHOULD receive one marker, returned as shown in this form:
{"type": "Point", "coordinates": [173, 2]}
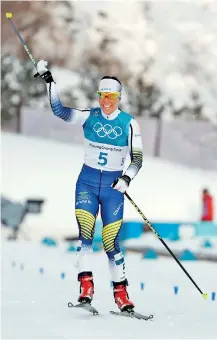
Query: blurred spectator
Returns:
{"type": "Point", "coordinates": [207, 206]}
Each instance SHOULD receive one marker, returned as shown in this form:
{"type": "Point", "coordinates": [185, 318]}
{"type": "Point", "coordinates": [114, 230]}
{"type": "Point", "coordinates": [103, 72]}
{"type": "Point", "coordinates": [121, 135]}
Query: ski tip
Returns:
{"type": "Point", "coordinates": [70, 304]}
{"type": "Point", "coordinates": [8, 15]}
{"type": "Point", "coordinates": [205, 296]}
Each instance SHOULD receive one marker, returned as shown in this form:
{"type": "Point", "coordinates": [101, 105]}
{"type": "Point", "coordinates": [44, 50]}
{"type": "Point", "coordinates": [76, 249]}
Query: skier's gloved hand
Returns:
{"type": "Point", "coordinates": [44, 72]}
{"type": "Point", "coordinates": [122, 183]}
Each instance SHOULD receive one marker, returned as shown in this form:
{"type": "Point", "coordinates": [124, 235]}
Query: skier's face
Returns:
{"type": "Point", "coordinates": [107, 104]}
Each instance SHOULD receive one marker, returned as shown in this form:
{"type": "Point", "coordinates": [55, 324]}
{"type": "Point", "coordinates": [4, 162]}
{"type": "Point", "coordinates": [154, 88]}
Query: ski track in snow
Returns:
{"type": "Point", "coordinates": [34, 305]}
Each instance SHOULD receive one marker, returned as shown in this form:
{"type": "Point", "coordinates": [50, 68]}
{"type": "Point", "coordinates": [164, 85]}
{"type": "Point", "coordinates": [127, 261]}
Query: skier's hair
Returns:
{"type": "Point", "coordinates": [114, 78]}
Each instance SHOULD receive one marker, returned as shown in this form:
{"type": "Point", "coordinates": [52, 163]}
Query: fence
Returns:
{"type": "Point", "coordinates": [192, 143]}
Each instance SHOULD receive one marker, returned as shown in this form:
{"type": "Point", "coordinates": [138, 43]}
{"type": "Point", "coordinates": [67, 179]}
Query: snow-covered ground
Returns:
{"type": "Point", "coordinates": [37, 168]}
{"type": "Point", "coordinates": [34, 305]}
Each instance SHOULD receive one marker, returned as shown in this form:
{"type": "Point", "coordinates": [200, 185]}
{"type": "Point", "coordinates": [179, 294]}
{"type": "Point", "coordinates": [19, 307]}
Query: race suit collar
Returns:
{"type": "Point", "coordinates": [112, 116]}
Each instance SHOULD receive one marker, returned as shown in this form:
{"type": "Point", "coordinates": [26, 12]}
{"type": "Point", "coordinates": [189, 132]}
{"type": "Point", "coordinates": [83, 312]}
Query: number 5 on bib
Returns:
{"type": "Point", "coordinates": [103, 158]}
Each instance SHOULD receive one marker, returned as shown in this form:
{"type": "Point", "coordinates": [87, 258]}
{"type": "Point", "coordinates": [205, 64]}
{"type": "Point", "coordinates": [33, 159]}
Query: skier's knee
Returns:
{"type": "Point", "coordinates": [110, 234]}
{"type": "Point", "coordinates": [86, 224]}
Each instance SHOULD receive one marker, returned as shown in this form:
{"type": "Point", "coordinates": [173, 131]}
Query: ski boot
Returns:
{"type": "Point", "coordinates": [86, 287]}
{"type": "Point", "coordinates": [121, 297]}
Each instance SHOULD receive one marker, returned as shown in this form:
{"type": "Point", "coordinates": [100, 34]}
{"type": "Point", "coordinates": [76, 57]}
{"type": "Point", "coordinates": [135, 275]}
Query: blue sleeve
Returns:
{"type": "Point", "coordinates": [69, 115]}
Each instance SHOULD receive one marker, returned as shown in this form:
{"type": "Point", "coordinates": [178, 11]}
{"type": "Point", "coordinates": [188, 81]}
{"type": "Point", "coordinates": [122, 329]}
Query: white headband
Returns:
{"type": "Point", "coordinates": [109, 85]}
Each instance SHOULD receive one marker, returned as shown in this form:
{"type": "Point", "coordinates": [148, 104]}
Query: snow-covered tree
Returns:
{"type": "Point", "coordinates": [167, 66]}
{"type": "Point", "coordinates": [18, 87]}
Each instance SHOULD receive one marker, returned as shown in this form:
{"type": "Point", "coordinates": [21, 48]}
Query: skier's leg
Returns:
{"type": "Point", "coordinates": [112, 207]}
{"type": "Point", "coordinates": [112, 217]}
{"type": "Point", "coordinates": [86, 210]}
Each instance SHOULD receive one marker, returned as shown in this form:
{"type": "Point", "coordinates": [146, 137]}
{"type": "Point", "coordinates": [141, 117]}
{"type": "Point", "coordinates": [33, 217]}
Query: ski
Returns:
{"type": "Point", "coordinates": [133, 314]}
{"type": "Point", "coordinates": [86, 306]}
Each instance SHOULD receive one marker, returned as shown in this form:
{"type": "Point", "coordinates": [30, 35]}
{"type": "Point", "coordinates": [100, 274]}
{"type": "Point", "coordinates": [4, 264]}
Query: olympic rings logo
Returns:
{"type": "Point", "coordinates": [107, 130]}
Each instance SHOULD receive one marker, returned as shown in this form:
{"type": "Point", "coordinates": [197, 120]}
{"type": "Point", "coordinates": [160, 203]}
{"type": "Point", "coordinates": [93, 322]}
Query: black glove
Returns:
{"type": "Point", "coordinates": [47, 76]}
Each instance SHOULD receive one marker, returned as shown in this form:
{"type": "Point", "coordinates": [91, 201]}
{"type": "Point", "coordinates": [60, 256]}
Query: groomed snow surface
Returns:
{"type": "Point", "coordinates": [34, 304]}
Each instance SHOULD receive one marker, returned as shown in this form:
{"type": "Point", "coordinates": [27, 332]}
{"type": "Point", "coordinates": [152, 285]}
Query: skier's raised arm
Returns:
{"type": "Point", "coordinates": [68, 114]}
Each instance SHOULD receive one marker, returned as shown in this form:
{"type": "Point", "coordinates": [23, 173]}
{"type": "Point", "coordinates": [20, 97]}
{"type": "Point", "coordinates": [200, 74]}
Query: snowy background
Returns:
{"type": "Point", "coordinates": [165, 52]}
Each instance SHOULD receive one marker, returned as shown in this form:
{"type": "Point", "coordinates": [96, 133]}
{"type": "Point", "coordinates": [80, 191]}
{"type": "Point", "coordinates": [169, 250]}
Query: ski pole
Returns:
{"type": "Point", "coordinates": [164, 243]}
{"type": "Point", "coordinates": [9, 17]}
